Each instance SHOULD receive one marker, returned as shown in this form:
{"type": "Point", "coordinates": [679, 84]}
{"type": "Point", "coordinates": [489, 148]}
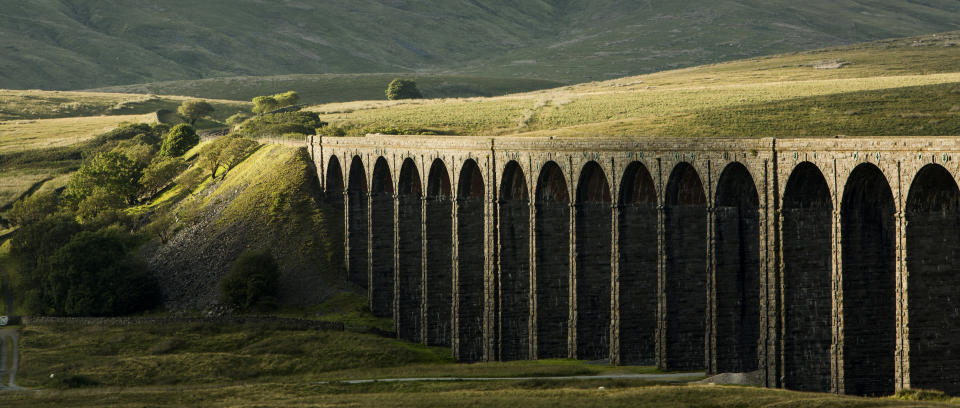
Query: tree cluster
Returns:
{"type": "Point", "coordinates": [279, 124]}
{"type": "Point", "coordinates": [270, 103]}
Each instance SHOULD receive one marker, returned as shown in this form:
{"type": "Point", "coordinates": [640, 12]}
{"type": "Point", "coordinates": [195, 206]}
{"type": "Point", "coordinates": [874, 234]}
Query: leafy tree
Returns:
{"type": "Point", "coordinates": [160, 172]}
{"type": "Point", "coordinates": [403, 89]}
{"type": "Point", "coordinates": [112, 172]}
{"type": "Point", "coordinates": [141, 153]}
{"type": "Point", "coordinates": [31, 248]}
{"type": "Point", "coordinates": [225, 153]}
{"type": "Point", "coordinates": [252, 283]}
{"type": "Point", "coordinates": [277, 124]}
{"type": "Point", "coordinates": [161, 226]}
{"type": "Point", "coordinates": [194, 109]}
{"type": "Point", "coordinates": [264, 104]}
{"type": "Point", "coordinates": [34, 208]}
{"type": "Point", "coordinates": [95, 275]}
{"type": "Point", "coordinates": [180, 139]}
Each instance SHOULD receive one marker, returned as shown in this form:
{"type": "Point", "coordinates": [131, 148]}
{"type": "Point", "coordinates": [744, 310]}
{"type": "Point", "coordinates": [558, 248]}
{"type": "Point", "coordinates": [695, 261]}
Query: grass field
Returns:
{"type": "Point", "coordinates": [897, 87]}
{"type": "Point", "coordinates": [324, 88]}
{"type": "Point", "coordinates": [262, 365]}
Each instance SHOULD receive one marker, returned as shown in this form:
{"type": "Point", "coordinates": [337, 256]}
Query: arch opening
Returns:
{"type": "Point", "coordinates": [868, 235]}
{"type": "Point", "coordinates": [638, 266]}
{"type": "Point", "coordinates": [358, 258]}
{"type": "Point", "coordinates": [552, 229]}
{"type": "Point", "coordinates": [806, 246]}
{"type": "Point", "coordinates": [685, 267]}
{"type": "Point", "coordinates": [381, 240]}
{"type": "Point", "coordinates": [470, 262]}
{"type": "Point", "coordinates": [933, 257]}
{"type": "Point", "coordinates": [594, 240]}
{"type": "Point", "coordinates": [737, 285]}
{"type": "Point", "coordinates": [333, 200]}
{"type": "Point", "coordinates": [408, 318]}
{"type": "Point", "coordinates": [514, 228]}
{"type": "Point", "coordinates": [439, 229]}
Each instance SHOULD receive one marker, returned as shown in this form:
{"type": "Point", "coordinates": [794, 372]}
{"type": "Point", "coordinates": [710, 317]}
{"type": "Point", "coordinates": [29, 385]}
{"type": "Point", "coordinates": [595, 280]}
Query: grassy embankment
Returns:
{"type": "Point", "coordinates": [897, 87]}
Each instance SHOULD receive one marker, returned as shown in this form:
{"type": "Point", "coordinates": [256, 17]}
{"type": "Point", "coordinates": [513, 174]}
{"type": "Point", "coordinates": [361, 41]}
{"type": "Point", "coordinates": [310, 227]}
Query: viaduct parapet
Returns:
{"type": "Point", "coordinates": [826, 264]}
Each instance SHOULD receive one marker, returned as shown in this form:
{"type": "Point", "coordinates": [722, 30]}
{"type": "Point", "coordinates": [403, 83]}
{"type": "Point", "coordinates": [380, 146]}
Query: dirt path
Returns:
{"type": "Point", "coordinates": [9, 358]}
{"type": "Point", "coordinates": [652, 377]}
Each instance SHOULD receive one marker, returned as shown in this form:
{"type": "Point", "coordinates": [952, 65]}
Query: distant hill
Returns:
{"type": "Point", "coordinates": [80, 44]}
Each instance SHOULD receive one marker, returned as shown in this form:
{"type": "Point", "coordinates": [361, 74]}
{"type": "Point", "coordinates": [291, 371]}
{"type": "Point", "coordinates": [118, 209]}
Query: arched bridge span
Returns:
{"type": "Point", "coordinates": [826, 264]}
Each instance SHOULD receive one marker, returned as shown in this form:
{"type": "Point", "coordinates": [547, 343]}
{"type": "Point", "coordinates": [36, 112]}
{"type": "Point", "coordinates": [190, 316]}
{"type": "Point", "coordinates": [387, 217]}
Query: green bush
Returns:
{"type": "Point", "coordinates": [403, 89]}
{"type": "Point", "coordinates": [34, 208]}
{"type": "Point", "coordinates": [277, 124]}
{"type": "Point", "coordinates": [95, 275]}
{"type": "Point", "coordinates": [238, 118]}
{"type": "Point", "coordinates": [252, 283]}
{"type": "Point", "coordinates": [180, 139]}
{"type": "Point", "coordinates": [269, 103]}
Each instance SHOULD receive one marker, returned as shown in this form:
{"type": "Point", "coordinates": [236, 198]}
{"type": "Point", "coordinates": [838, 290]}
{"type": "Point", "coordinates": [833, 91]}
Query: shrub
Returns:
{"type": "Point", "coordinates": [252, 283]}
{"type": "Point", "coordinates": [403, 89]}
{"type": "Point", "coordinates": [180, 139]}
{"type": "Point", "coordinates": [238, 118]}
{"type": "Point", "coordinates": [288, 98]}
{"type": "Point", "coordinates": [264, 104]}
{"type": "Point", "coordinates": [194, 109]}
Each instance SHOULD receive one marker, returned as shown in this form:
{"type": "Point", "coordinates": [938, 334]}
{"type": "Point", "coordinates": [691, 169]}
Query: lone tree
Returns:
{"type": "Point", "coordinates": [194, 109]}
{"type": "Point", "coordinates": [180, 139]}
{"type": "Point", "coordinates": [270, 103]}
{"type": "Point", "coordinates": [252, 283]}
{"type": "Point", "coordinates": [403, 89]}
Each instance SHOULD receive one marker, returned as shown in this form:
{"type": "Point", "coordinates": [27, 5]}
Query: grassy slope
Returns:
{"type": "Point", "coordinates": [70, 44]}
{"type": "Point", "coordinates": [38, 127]}
{"type": "Point", "coordinates": [324, 88]}
{"type": "Point", "coordinates": [897, 87]}
{"type": "Point", "coordinates": [268, 201]}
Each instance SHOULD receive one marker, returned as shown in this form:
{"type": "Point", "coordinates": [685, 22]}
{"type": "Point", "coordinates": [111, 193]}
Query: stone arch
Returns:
{"type": "Point", "coordinates": [593, 228]}
{"type": "Point", "coordinates": [638, 266]}
{"type": "Point", "coordinates": [806, 248]}
{"type": "Point", "coordinates": [685, 268]}
{"type": "Point", "coordinates": [357, 232]}
{"type": "Point", "coordinates": [868, 244]}
{"type": "Point", "coordinates": [381, 240]}
{"type": "Point", "coordinates": [439, 230]}
{"type": "Point", "coordinates": [514, 228]}
{"type": "Point", "coordinates": [470, 262]}
{"type": "Point", "coordinates": [333, 200]}
{"type": "Point", "coordinates": [737, 275]}
{"type": "Point", "coordinates": [409, 263]}
{"type": "Point", "coordinates": [933, 258]}
{"type": "Point", "coordinates": [552, 237]}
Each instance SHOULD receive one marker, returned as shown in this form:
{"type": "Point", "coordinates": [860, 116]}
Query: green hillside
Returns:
{"type": "Point", "coordinates": [73, 44]}
{"type": "Point", "coordinates": [894, 87]}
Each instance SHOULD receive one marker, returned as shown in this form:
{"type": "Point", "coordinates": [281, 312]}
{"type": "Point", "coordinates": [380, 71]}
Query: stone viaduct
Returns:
{"type": "Point", "coordinates": [826, 264]}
